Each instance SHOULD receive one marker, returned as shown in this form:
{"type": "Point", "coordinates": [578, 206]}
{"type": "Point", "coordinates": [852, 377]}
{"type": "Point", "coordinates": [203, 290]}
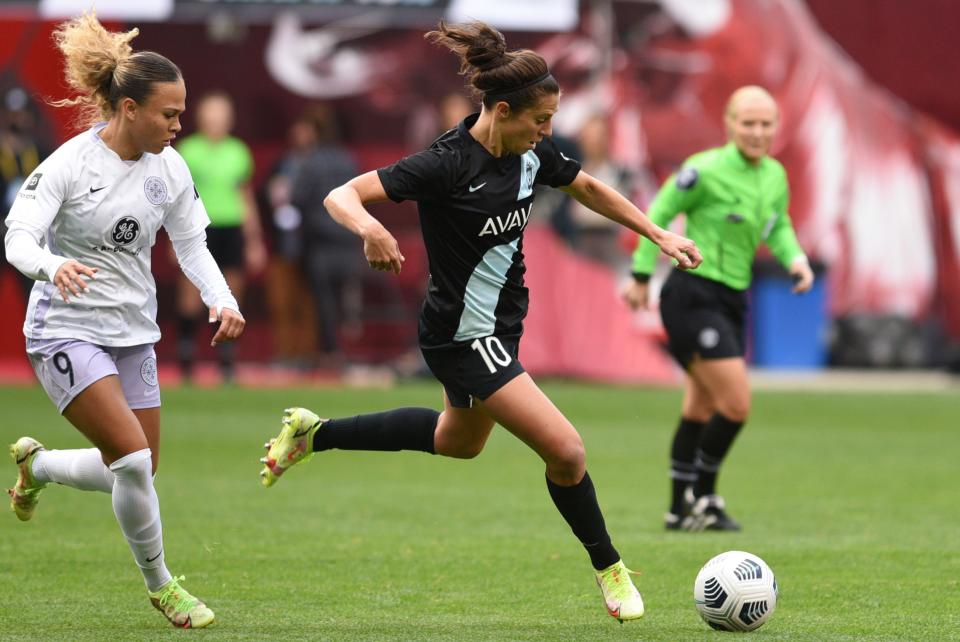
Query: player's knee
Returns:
{"type": "Point", "coordinates": [466, 450]}
{"type": "Point", "coordinates": [735, 407]}
{"type": "Point", "coordinates": [701, 411]}
{"type": "Point", "coordinates": [569, 460]}
{"type": "Point", "coordinates": [458, 448]}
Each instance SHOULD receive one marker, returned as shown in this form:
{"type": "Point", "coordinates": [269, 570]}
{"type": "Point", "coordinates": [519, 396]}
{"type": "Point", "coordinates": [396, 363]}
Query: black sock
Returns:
{"type": "Point", "coordinates": [186, 329]}
{"type": "Point", "coordinates": [400, 429]}
{"type": "Point", "coordinates": [578, 505]}
{"type": "Point", "coordinates": [683, 455]}
{"type": "Point", "coordinates": [717, 438]}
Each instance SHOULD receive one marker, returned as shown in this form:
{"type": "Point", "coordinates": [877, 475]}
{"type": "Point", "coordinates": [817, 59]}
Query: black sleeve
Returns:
{"type": "Point", "coordinates": [424, 176]}
{"type": "Point", "coordinates": [556, 168]}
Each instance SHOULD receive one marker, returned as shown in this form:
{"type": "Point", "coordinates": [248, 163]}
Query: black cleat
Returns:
{"type": "Point", "coordinates": [708, 514]}
{"type": "Point", "coordinates": [674, 521]}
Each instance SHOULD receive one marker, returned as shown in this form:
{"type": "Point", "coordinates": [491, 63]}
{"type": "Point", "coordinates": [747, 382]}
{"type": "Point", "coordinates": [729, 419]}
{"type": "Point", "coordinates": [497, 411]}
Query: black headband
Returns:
{"type": "Point", "coordinates": [513, 90]}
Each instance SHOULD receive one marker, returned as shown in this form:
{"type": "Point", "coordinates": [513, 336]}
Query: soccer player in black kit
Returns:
{"type": "Point", "coordinates": [474, 188]}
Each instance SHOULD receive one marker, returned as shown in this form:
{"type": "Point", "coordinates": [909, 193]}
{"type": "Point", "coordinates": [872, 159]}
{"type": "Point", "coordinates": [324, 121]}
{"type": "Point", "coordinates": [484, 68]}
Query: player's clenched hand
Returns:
{"type": "Point", "coordinates": [231, 325]}
{"type": "Point", "coordinates": [636, 294]}
{"type": "Point", "coordinates": [681, 249]}
{"type": "Point", "coordinates": [382, 250]}
{"type": "Point", "coordinates": [69, 278]}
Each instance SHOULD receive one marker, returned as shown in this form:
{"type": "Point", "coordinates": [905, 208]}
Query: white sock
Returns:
{"type": "Point", "coordinates": [83, 469]}
{"type": "Point", "coordinates": [137, 509]}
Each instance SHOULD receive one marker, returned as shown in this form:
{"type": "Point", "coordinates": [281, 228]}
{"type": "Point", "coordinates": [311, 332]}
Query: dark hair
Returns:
{"type": "Point", "coordinates": [519, 77]}
{"type": "Point", "coordinates": [323, 121]}
{"type": "Point", "coordinates": [101, 66]}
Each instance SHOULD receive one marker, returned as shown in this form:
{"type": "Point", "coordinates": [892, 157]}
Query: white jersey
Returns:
{"type": "Point", "coordinates": [94, 207]}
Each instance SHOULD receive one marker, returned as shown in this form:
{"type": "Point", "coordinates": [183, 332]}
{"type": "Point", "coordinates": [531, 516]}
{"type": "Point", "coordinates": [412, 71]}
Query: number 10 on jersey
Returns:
{"type": "Point", "coordinates": [492, 352]}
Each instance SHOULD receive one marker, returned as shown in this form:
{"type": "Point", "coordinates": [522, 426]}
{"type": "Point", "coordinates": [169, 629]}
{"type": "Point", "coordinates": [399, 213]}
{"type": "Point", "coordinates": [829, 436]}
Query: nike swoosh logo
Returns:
{"type": "Point", "coordinates": [94, 191]}
{"type": "Point", "coordinates": [152, 559]}
{"type": "Point", "coordinates": [474, 189]}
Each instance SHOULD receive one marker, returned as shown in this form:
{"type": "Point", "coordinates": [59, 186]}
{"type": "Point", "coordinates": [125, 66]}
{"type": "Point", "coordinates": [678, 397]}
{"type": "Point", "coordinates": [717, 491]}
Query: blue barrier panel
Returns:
{"type": "Point", "coordinates": [788, 330]}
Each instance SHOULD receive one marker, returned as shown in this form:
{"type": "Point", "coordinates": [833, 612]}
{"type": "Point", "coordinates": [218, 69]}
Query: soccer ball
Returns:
{"type": "Point", "coordinates": [735, 591]}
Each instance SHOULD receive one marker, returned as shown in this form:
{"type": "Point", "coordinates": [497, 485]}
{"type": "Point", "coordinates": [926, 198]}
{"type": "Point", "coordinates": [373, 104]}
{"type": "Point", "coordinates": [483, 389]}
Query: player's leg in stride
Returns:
{"type": "Point", "coordinates": [182, 609]}
{"type": "Point", "coordinates": [26, 492]}
{"type": "Point", "coordinates": [293, 445]}
{"type": "Point", "coordinates": [621, 597]}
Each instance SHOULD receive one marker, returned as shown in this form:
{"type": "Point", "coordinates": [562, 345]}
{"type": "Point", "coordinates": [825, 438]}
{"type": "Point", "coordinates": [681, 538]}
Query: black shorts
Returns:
{"type": "Point", "coordinates": [226, 246]}
{"type": "Point", "coordinates": [476, 368]}
{"type": "Point", "coordinates": [702, 317]}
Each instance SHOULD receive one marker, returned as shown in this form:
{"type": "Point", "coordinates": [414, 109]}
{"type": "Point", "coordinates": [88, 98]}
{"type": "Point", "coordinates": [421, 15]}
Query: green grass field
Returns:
{"type": "Point", "coordinates": [851, 498]}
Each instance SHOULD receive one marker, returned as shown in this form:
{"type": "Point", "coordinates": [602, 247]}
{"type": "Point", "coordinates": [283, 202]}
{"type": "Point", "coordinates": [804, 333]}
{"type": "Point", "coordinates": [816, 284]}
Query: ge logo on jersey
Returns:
{"type": "Point", "coordinates": [126, 231]}
{"type": "Point", "coordinates": [156, 190]}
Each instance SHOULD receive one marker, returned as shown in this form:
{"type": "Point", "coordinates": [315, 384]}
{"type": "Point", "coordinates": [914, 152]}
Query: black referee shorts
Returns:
{"type": "Point", "coordinates": [226, 246]}
{"type": "Point", "coordinates": [702, 317]}
{"type": "Point", "coordinates": [475, 368]}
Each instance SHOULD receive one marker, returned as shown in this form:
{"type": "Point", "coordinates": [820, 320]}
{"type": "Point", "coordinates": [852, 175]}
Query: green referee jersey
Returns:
{"type": "Point", "coordinates": [219, 169]}
{"type": "Point", "coordinates": [731, 206]}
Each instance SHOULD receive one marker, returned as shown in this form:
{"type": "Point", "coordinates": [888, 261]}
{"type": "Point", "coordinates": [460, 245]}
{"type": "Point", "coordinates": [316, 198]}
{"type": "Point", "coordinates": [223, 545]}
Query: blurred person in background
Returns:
{"type": "Point", "coordinates": [20, 153]}
{"type": "Point", "coordinates": [734, 198]}
{"type": "Point", "coordinates": [293, 314]}
{"type": "Point", "coordinates": [474, 191]}
{"type": "Point", "coordinates": [83, 226]}
{"type": "Point", "coordinates": [329, 254]}
{"type": "Point", "coordinates": [222, 169]}
{"type": "Point", "coordinates": [594, 236]}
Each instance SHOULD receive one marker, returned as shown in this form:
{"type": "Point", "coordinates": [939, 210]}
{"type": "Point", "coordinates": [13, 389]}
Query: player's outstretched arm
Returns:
{"type": "Point", "coordinates": [346, 205]}
{"type": "Point", "coordinates": [608, 202]}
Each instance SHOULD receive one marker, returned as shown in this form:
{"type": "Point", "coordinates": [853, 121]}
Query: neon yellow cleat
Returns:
{"type": "Point", "coordinates": [24, 496]}
{"type": "Point", "coordinates": [620, 596]}
{"type": "Point", "coordinates": [182, 609]}
{"type": "Point", "coordinates": [293, 445]}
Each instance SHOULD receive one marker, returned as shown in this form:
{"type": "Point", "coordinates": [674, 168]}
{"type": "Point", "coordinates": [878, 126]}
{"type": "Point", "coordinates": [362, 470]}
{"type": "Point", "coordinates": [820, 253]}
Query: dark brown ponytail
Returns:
{"type": "Point", "coordinates": [519, 77]}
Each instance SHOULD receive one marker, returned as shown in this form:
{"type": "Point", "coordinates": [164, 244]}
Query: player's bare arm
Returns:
{"type": "Point", "coordinates": [606, 201]}
{"type": "Point", "coordinates": [346, 206]}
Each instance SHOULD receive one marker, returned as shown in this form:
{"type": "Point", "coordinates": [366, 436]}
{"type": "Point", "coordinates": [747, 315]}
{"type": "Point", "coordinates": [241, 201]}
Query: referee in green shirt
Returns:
{"type": "Point", "coordinates": [734, 197]}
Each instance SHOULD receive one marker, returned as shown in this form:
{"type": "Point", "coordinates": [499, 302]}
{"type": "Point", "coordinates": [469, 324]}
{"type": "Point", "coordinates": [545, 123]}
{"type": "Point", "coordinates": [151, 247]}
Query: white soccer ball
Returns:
{"type": "Point", "coordinates": [735, 591]}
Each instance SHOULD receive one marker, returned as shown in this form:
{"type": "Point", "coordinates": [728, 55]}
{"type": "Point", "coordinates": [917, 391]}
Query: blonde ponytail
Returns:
{"type": "Point", "coordinates": [102, 67]}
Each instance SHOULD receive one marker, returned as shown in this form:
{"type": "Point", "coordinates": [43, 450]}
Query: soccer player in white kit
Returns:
{"type": "Point", "coordinates": [82, 226]}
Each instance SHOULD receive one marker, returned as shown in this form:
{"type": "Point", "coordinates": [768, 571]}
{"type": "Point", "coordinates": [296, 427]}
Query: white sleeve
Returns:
{"type": "Point", "coordinates": [39, 199]}
{"type": "Point", "coordinates": [202, 270]}
{"type": "Point", "coordinates": [35, 207]}
{"type": "Point", "coordinates": [26, 253]}
{"type": "Point", "coordinates": [186, 217]}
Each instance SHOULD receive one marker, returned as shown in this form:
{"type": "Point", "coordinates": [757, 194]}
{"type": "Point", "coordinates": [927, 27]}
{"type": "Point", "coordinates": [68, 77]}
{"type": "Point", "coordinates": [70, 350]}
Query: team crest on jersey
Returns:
{"type": "Point", "coordinates": [529, 165]}
{"type": "Point", "coordinates": [156, 190]}
{"type": "Point", "coordinates": [125, 231]}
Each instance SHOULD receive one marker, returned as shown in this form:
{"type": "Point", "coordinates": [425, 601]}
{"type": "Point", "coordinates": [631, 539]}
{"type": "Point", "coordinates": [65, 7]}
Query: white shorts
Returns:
{"type": "Point", "coordinates": [66, 367]}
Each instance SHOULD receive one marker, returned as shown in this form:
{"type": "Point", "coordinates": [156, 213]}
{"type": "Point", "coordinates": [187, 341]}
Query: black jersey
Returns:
{"type": "Point", "coordinates": [473, 210]}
